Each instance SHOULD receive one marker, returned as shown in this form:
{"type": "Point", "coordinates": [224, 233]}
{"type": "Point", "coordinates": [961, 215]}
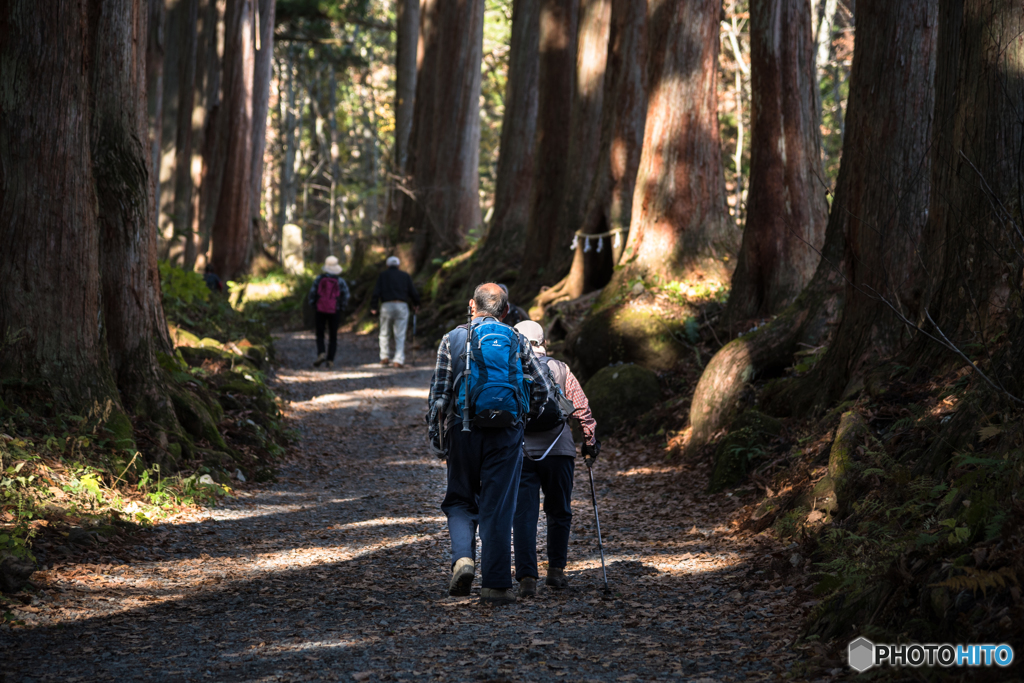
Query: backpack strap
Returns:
{"type": "Point", "coordinates": [457, 348]}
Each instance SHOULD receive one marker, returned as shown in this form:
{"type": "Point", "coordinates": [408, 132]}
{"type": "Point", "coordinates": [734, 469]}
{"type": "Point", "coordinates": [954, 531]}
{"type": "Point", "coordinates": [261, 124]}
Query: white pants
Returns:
{"type": "Point", "coordinates": [394, 319]}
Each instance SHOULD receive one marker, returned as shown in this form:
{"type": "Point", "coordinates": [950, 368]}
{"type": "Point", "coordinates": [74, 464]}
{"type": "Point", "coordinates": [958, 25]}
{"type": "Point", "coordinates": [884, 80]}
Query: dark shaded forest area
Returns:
{"type": "Point", "coordinates": [780, 243]}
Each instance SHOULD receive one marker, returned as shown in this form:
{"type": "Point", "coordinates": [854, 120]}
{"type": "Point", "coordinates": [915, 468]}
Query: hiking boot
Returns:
{"type": "Point", "coordinates": [556, 578]}
{"type": "Point", "coordinates": [384, 362]}
{"type": "Point", "coordinates": [397, 366]}
{"type": "Point", "coordinates": [330, 364]}
{"type": "Point", "coordinates": [497, 596]}
{"type": "Point", "coordinates": [462, 577]}
{"type": "Point", "coordinates": [527, 587]}
{"type": "Point", "coordinates": [319, 360]}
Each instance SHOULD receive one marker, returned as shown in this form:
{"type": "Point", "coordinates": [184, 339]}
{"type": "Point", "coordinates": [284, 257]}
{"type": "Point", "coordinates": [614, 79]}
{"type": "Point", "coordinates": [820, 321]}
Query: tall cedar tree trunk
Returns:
{"type": "Point", "coordinates": [214, 135]}
{"type": "Point", "coordinates": [263, 72]}
{"type": "Point", "coordinates": [584, 134]}
{"type": "Point", "coordinates": [155, 43]}
{"type": "Point", "coordinates": [207, 68]}
{"type": "Point", "coordinates": [183, 138]}
{"type": "Point", "coordinates": [445, 141]}
{"type": "Point", "coordinates": [51, 337]}
{"type": "Point", "coordinates": [610, 199]}
{"type": "Point", "coordinates": [883, 235]}
{"type": "Point", "coordinates": [975, 234]}
{"type": "Point", "coordinates": [286, 206]}
{"type": "Point", "coordinates": [406, 64]}
{"type": "Point", "coordinates": [133, 316]}
{"type": "Point", "coordinates": [506, 234]}
{"type": "Point", "coordinates": [680, 227]}
{"type": "Point", "coordinates": [881, 186]}
{"type": "Point", "coordinates": [555, 89]}
{"type": "Point", "coordinates": [230, 233]}
{"type": "Point", "coordinates": [786, 207]}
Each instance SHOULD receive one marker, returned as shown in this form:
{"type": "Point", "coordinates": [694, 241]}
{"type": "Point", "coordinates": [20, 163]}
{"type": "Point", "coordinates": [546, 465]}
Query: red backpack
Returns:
{"type": "Point", "coordinates": [327, 293]}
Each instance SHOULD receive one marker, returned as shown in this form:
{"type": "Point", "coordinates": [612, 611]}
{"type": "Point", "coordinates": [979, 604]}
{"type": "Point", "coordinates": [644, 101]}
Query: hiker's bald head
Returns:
{"type": "Point", "coordinates": [490, 299]}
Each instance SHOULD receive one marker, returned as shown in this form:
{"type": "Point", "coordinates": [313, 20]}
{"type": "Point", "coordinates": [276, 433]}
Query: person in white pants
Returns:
{"type": "Point", "coordinates": [395, 293]}
{"type": "Point", "coordinates": [394, 321]}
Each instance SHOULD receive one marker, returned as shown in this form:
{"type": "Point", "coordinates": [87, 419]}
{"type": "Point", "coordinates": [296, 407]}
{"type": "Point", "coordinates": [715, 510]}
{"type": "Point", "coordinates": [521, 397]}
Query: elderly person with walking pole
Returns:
{"type": "Point", "coordinates": [397, 292]}
{"type": "Point", "coordinates": [549, 466]}
{"type": "Point", "coordinates": [487, 384]}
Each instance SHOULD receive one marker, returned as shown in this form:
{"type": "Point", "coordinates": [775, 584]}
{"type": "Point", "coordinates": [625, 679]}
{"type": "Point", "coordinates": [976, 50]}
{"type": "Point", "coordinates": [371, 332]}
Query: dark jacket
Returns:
{"type": "Point", "coordinates": [342, 300]}
{"type": "Point", "coordinates": [394, 285]}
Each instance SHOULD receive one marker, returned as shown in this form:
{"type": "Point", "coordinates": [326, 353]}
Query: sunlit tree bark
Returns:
{"type": "Point", "coordinates": [679, 226]}
{"type": "Point", "coordinates": [786, 207]}
{"type": "Point", "coordinates": [445, 140]}
{"type": "Point", "coordinates": [263, 71]}
{"type": "Point", "coordinates": [556, 86]}
{"type": "Point", "coordinates": [230, 233]}
{"type": "Point", "coordinates": [610, 199]}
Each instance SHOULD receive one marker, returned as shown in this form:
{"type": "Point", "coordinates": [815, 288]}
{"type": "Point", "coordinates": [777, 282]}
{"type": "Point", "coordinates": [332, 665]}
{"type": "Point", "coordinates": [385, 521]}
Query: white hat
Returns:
{"type": "Point", "coordinates": [331, 266]}
{"type": "Point", "coordinates": [392, 261]}
{"type": "Point", "coordinates": [535, 333]}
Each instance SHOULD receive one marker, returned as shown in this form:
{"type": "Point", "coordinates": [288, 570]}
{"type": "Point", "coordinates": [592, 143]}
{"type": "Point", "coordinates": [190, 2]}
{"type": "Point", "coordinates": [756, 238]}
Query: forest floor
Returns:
{"type": "Point", "coordinates": [339, 570]}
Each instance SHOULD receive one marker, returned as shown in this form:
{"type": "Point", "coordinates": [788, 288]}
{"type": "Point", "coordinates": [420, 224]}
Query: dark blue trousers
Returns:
{"type": "Point", "coordinates": [483, 479]}
{"type": "Point", "coordinates": [552, 475]}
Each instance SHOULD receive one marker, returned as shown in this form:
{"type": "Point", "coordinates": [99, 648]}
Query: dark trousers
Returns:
{"type": "Point", "coordinates": [552, 475]}
{"type": "Point", "coordinates": [483, 478]}
{"type": "Point", "coordinates": [329, 321]}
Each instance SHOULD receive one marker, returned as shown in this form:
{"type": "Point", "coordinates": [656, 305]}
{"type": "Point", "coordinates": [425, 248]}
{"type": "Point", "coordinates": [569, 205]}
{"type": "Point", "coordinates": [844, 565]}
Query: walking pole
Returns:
{"type": "Point", "coordinates": [600, 545]}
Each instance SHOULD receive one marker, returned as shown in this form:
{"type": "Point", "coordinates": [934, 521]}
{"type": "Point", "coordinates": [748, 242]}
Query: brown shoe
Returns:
{"type": "Point", "coordinates": [528, 587]}
{"type": "Point", "coordinates": [556, 578]}
{"type": "Point", "coordinates": [384, 362]}
{"type": "Point", "coordinates": [497, 596]}
{"type": "Point", "coordinates": [397, 366]}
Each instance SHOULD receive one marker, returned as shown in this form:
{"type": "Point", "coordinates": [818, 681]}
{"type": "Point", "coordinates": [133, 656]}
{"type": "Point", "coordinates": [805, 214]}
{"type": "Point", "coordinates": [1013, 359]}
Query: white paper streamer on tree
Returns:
{"type": "Point", "coordinates": [575, 243]}
{"type": "Point", "coordinates": [586, 244]}
{"type": "Point", "coordinates": [617, 240]}
{"type": "Point", "coordinates": [600, 241]}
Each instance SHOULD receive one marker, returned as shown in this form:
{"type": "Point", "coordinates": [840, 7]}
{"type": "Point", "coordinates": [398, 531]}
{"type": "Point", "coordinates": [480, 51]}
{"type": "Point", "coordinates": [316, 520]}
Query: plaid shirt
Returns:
{"type": "Point", "coordinates": [441, 382]}
{"type": "Point", "coordinates": [574, 392]}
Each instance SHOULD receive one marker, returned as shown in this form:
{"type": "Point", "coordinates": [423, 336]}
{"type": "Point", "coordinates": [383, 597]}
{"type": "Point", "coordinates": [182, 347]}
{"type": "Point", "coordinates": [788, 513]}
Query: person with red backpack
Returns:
{"type": "Point", "coordinates": [549, 465]}
{"type": "Point", "coordinates": [328, 296]}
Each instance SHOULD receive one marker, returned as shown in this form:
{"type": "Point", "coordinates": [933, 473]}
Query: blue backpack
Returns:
{"type": "Point", "coordinates": [490, 381]}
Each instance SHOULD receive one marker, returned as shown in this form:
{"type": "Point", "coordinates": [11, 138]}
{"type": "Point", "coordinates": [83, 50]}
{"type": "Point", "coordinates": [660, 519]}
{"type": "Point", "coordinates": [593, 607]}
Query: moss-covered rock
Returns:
{"type": "Point", "coordinates": [620, 393]}
{"type": "Point", "coordinates": [628, 333]}
{"type": "Point", "coordinates": [747, 442]}
{"type": "Point", "coordinates": [196, 418]}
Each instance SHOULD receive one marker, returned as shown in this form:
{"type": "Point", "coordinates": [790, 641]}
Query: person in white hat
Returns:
{"type": "Point", "coordinates": [549, 465]}
{"type": "Point", "coordinates": [328, 296]}
{"type": "Point", "coordinates": [397, 292]}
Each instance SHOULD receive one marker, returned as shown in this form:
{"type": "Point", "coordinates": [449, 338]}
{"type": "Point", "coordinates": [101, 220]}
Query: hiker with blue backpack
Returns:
{"type": "Point", "coordinates": [487, 384]}
{"type": "Point", "coordinates": [549, 466]}
{"type": "Point", "coordinates": [328, 296]}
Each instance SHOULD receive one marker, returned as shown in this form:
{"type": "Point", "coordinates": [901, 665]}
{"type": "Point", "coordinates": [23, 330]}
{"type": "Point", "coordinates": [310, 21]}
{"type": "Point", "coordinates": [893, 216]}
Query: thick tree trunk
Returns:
{"type": "Point", "coordinates": [786, 207]}
{"type": "Point", "coordinates": [286, 207]}
{"type": "Point", "coordinates": [680, 226]}
{"type": "Point", "coordinates": [881, 181]}
{"type": "Point", "coordinates": [892, 98]}
{"type": "Point", "coordinates": [263, 72]}
{"type": "Point", "coordinates": [132, 311]}
{"type": "Point", "coordinates": [214, 138]}
{"type": "Point", "coordinates": [408, 31]}
{"type": "Point", "coordinates": [183, 204]}
{"type": "Point", "coordinates": [231, 228]}
{"type": "Point", "coordinates": [51, 337]}
{"type": "Point", "coordinates": [556, 87]}
{"type": "Point", "coordinates": [610, 199]}
{"type": "Point", "coordinates": [507, 231]}
{"type": "Point", "coordinates": [975, 233]}
{"type": "Point", "coordinates": [445, 142]}
{"type": "Point", "coordinates": [155, 42]}
{"type": "Point", "coordinates": [584, 134]}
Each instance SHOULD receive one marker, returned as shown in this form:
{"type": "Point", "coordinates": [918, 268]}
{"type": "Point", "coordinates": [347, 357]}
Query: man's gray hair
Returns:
{"type": "Point", "coordinates": [490, 299]}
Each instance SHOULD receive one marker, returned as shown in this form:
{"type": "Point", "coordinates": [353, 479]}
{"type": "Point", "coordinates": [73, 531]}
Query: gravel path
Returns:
{"type": "Point", "coordinates": [338, 571]}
